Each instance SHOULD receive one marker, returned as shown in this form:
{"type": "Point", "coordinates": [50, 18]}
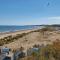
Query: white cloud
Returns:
{"type": "Point", "coordinates": [54, 18]}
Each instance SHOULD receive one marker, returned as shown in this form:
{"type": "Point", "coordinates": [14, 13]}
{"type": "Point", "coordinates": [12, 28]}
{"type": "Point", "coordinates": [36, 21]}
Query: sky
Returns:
{"type": "Point", "coordinates": [29, 12]}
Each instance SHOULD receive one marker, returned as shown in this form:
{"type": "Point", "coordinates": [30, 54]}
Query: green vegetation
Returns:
{"type": "Point", "coordinates": [49, 52]}
{"type": "Point", "coordinates": [11, 38]}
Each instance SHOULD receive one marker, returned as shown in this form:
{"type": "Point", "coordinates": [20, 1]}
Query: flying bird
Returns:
{"type": "Point", "coordinates": [48, 4]}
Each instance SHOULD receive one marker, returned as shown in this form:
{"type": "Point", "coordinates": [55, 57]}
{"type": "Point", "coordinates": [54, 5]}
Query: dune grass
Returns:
{"type": "Point", "coordinates": [49, 52]}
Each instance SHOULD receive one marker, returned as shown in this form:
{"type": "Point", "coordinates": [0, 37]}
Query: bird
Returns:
{"type": "Point", "coordinates": [48, 4]}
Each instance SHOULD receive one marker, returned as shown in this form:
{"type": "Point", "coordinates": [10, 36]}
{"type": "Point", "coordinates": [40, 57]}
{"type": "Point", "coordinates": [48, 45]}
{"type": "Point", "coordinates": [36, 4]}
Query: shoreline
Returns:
{"type": "Point", "coordinates": [14, 44]}
{"type": "Point", "coordinates": [30, 39]}
{"type": "Point", "coordinates": [5, 34]}
{"type": "Point", "coordinates": [13, 31]}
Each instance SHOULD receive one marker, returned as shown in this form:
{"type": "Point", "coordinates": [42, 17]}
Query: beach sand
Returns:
{"type": "Point", "coordinates": [31, 39]}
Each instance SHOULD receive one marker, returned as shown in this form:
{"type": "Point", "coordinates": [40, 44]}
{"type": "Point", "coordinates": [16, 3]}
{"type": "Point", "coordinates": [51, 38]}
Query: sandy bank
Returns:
{"type": "Point", "coordinates": [5, 34]}
{"type": "Point", "coordinates": [32, 39]}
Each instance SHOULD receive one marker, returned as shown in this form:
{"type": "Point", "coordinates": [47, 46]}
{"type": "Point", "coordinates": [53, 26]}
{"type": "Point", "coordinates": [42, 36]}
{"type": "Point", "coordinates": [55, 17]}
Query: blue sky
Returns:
{"type": "Point", "coordinates": [29, 12]}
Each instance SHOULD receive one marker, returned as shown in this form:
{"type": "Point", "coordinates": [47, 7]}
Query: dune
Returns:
{"type": "Point", "coordinates": [35, 37]}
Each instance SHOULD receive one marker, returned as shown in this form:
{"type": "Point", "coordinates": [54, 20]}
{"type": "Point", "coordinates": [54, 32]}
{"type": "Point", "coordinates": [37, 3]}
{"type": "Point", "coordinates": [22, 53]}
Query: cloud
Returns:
{"type": "Point", "coordinates": [54, 18]}
{"type": "Point", "coordinates": [49, 20]}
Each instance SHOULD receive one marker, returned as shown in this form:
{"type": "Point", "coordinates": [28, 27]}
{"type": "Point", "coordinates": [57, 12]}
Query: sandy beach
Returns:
{"type": "Point", "coordinates": [14, 44]}
{"type": "Point", "coordinates": [31, 39]}
{"type": "Point", "coordinates": [5, 34]}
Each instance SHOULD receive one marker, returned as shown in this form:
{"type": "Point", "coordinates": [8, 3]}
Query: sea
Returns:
{"type": "Point", "coordinates": [5, 28]}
